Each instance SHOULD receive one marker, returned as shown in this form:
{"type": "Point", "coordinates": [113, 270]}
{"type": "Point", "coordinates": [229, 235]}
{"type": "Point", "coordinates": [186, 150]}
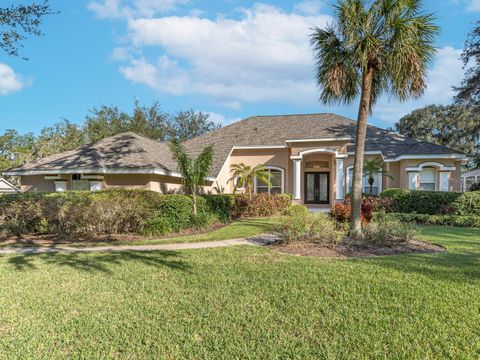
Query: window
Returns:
{"type": "Point", "coordinates": [365, 184]}
{"type": "Point", "coordinates": [427, 179]}
{"type": "Point", "coordinates": [76, 176]}
{"type": "Point", "coordinates": [276, 181]}
{"type": "Point", "coordinates": [236, 185]}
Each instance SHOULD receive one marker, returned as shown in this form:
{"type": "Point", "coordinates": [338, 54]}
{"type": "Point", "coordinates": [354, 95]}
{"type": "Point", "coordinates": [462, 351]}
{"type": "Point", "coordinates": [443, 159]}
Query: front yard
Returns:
{"type": "Point", "coordinates": [244, 302]}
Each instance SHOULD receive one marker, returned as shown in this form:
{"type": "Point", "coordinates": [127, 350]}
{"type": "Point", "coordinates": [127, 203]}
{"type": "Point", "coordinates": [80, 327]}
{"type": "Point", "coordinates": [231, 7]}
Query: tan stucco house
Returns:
{"type": "Point", "coordinates": [308, 156]}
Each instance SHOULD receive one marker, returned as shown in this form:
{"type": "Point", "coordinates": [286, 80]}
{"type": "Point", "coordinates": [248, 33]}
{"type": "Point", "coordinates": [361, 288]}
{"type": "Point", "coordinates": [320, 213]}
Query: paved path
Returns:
{"type": "Point", "coordinates": [258, 240]}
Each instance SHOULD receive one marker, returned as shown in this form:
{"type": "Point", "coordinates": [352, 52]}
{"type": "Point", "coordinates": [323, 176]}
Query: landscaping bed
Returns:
{"type": "Point", "coordinates": [304, 248]}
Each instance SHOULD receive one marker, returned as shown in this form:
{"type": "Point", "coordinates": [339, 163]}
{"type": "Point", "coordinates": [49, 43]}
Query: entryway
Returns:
{"type": "Point", "coordinates": [317, 188]}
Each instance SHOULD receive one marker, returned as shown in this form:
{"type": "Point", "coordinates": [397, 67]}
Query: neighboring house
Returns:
{"type": "Point", "coordinates": [308, 156]}
{"type": "Point", "coordinates": [470, 178]}
{"type": "Point", "coordinates": [6, 187]}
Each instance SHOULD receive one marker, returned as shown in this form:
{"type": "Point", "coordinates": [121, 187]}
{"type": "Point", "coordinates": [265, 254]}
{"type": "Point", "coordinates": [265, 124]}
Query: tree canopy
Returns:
{"type": "Point", "coordinates": [18, 21]}
{"type": "Point", "coordinates": [468, 93]}
{"type": "Point", "coordinates": [454, 126]}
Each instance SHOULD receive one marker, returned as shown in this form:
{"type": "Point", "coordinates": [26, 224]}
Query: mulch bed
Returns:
{"type": "Point", "coordinates": [343, 251]}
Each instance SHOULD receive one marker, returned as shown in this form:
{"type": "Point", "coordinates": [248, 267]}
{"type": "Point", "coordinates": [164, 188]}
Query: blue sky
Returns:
{"type": "Point", "coordinates": [230, 58]}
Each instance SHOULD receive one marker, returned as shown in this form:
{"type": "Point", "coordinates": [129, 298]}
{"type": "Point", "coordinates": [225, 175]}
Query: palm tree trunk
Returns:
{"type": "Point", "coordinates": [194, 200]}
{"type": "Point", "coordinates": [362, 120]}
{"type": "Point", "coordinates": [370, 182]}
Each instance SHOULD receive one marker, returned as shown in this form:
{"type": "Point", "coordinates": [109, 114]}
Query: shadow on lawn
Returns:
{"type": "Point", "coordinates": [100, 262]}
{"type": "Point", "coordinates": [461, 266]}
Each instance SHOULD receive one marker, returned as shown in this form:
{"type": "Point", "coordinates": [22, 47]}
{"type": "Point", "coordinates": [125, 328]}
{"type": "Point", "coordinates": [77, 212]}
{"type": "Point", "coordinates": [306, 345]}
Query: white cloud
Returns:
{"type": "Point", "coordinates": [309, 7]}
{"type": "Point", "coordinates": [445, 73]}
{"type": "Point", "coordinates": [474, 5]}
{"type": "Point", "coordinates": [10, 81]}
{"type": "Point", "coordinates": [263, 56]}
{"type": "Point", "coordinates": [219, 118]}
{"type": "Point", "coordinates": [111, 9]}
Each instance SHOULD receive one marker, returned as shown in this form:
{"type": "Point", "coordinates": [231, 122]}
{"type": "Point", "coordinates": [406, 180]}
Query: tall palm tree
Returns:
{"type": "Point", "coordinates": [193, 171]}
{"type": "Point", "coordinates": [374, 47]}
{"type": "Point", "coordinates": [371, 168]}
{"type": "Point", "coordinates": [245, 176]}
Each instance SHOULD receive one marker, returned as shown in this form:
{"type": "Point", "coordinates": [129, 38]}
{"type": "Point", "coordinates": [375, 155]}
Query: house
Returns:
{"type": "Point", "coordinates": [6, 187]}
{"type": "Point", "coordinates": [308, 156]}
{"type": "Point", "coordinates": [470, 178]}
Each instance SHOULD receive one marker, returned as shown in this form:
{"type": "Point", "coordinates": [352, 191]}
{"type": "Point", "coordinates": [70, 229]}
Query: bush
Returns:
{"type": "Point", "coordinates": [157, 226]}
{"type": "Point", "coordinates": [341, 212]}
{"type": "Point", "coordinates": [302, 225]}
{"type": "Point", "coordinates": [432, 202]}
{"type": "Point", "coordinates": [475, 187]}
{"type": "Point", "coordinates": [79, 213]}
{"type": "Point", "coordinates": [261, 205]}
{"type": "Point", "coordinates": [388, 232]}
{"type": "Point", "coordinates": [449, 220]}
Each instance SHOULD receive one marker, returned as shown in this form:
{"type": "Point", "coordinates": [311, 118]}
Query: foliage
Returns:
{"type": "Point", "coordinates": [245, 176]}
{"type": "Point", "coordinates": [89, 214]}
{"type": "Point", "coordinates": [303, 225]}
{"type": "Point", "coordinates": [371, 48]}
{"type": "Point", "coordinates": [190, 124]}
{"type": "Point", "coordinates": [449, 220]}
{"type": "Point", "coordinates": [388, 232]}
{"type": "Point", "coordinates": [372, 168]}
{"type": "Point", "coordinates": [19, 20]}
{"type": "Point", "coordinates": [469, 90]}
{"type": "Point", "coordinates": [193, 170]}
{"type": "Point", "coordinates": [341, 212]}
{"type": "Point", "coordinates": [261, 205]}
{"type": "Point", "coordinates": [454, 126]}
{"type": "Point", "coordinates": [432, 202]}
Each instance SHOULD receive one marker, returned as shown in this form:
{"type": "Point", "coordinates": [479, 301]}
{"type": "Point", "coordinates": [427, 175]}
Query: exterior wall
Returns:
{"type": "Point", "coordinates": [127, 181]}
{"type": "Point", "coordinates": [38, 183]}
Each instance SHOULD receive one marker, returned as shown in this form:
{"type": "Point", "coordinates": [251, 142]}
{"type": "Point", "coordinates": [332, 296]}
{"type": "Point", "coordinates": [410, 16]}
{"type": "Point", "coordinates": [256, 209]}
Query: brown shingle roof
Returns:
{"type": "Point", "coordinates": [125, 151]}
{"type": "Point", "coordinates": [130, 150]}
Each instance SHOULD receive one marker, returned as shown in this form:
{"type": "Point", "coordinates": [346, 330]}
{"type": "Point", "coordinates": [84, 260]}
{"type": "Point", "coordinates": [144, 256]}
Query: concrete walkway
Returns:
{"type": "Point", "coordinates": [259, 240]}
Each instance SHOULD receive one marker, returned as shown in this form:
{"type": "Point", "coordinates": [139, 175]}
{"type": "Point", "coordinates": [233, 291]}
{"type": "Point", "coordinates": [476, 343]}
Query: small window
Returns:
{"type": "Point", "coordinates": [236, 185]}
{"type": "Point", "coordinates": [77, 177]}
{"type": "Point", "coordinates": [427, 179]}
{"type": "Point", "coordinates": [276, 181]}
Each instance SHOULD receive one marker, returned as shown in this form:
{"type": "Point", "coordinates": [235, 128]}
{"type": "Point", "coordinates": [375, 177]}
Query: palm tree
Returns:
{"type": "Point", "coordinates": [246, 175]}
{"type": "Point", "coordinates": [371, 168]}
{"type": "Point", "coordinates": [375, 47]}
{"type": "Point", "coordinates": [193, 171]}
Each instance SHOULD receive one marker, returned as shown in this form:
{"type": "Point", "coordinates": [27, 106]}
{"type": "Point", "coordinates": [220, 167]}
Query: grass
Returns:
{"type": "Point", "coordinates": [244, 302]}
{"type": "Point", "coordinates": [236, 229]}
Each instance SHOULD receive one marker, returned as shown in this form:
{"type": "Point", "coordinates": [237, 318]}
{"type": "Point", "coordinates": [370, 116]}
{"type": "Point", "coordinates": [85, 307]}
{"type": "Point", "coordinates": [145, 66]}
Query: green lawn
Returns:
{"type": "Point", "coordinates": [244, 302]}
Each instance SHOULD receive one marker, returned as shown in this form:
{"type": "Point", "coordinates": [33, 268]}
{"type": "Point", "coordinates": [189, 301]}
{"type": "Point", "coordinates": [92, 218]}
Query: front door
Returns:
{"type": "Point", "coordinates": [317, 185]}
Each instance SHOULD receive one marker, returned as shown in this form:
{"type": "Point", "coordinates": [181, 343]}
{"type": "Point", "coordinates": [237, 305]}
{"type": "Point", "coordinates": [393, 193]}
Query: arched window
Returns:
{"type": "Point", "coordinates": [427, 179]}
{"type": "Point", "coordinates": [276, 176]}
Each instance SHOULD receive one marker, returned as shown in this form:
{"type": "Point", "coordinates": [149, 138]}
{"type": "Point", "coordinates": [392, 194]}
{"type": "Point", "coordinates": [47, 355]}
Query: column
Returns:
{"type": "Point", "coordinates": [444, 181]}
{"type": "Point", "coordinates": [297, 176]}
{"type": "Point", "coordinates": [340, 182]}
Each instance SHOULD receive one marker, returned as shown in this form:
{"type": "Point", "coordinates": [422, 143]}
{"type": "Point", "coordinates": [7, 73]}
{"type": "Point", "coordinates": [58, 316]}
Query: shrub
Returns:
{"type": "Point", "coordinates": [221, 205]}
{"type": "Point", "coordinates": [302, 225]}
{"type": "Point", "coordinates": [449, 220]}
{"type": "Point", "coordinates": [261, 205]}
{"type": "Point", "coordinates": [388, 232]}
{"type": "Point", "coordinates": [432, 202]}
{"type": "Point", "coordinates": [341, 212]}
{"type": "Point", "coordinates": [157, 226]}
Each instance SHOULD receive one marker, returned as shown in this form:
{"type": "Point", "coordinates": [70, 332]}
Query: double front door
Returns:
{"type": "Point", "coordinates": [317, 186]}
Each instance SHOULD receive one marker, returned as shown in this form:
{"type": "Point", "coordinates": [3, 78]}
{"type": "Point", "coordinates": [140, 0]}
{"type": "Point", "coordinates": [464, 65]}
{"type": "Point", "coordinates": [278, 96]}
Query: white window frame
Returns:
{"type": "Point", "coordinates": [349, 181]}
{"type": "Point", "coordinates": [61, 185]}
{"type": "Point", "coordinates": [95, 185]}
{"type": "Point", "coordinates": [282, 172]}
{"type": "Point", "coordinates": [435, 180]}
{"type": "Point", "coordinates": [235, 182]}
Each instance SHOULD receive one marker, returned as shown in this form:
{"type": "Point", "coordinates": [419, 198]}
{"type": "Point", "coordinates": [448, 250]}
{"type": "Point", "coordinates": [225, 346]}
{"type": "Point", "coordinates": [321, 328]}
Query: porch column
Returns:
{"type": "Point", "coordinates": [340, 182]}
{"type": "Point", "coordinates": [297, 176]}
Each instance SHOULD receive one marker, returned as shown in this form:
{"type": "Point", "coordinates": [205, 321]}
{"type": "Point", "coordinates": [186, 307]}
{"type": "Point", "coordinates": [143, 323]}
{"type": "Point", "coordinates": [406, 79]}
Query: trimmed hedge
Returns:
{"type": "Point", "coordinates": [79, 213]}
{"type": "Point", "coordinates": [432, 202]}
{"type": "Point", "coordinates": [450, 220]}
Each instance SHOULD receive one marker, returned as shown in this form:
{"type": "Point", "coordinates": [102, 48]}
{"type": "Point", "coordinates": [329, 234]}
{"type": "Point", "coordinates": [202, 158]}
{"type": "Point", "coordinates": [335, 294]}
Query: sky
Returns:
{"type": "Point", "coordinates": [231, 59]}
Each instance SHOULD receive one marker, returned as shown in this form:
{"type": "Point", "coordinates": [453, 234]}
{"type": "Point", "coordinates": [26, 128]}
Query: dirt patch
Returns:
{"type": "Point", "coordinates": [342, 251]}
{"type": "Point", "coordinates": [52, 240]}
